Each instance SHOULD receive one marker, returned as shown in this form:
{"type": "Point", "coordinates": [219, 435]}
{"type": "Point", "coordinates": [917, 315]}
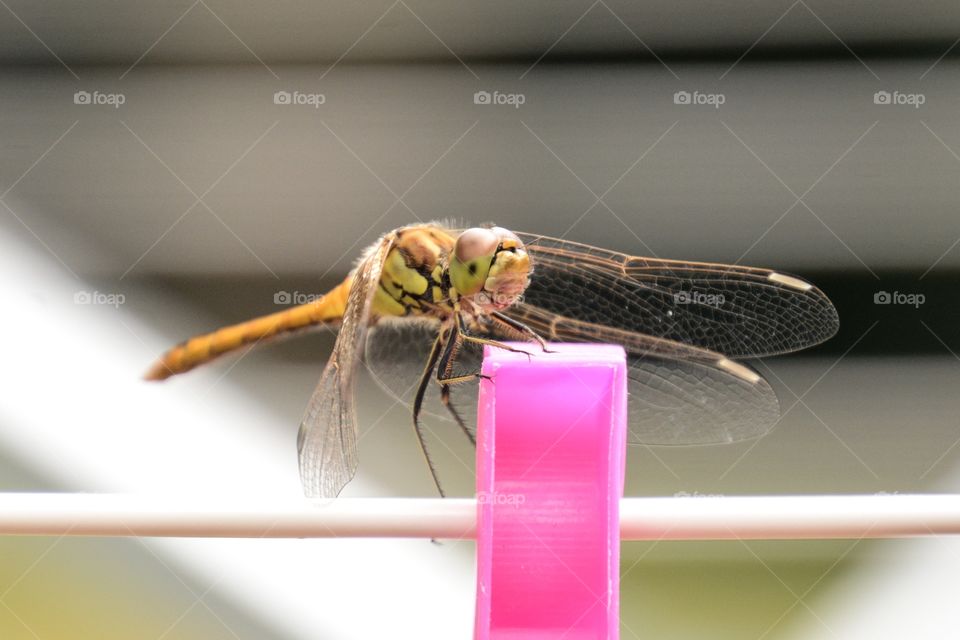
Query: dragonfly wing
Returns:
{"type": "Point", "coordinates": [678, 394]}
{"type": "Point", "coordinates": [685, 402]}
{"type": "Point", "coordinates": [327, 441]}
{"type": "Point", "coordinates": [734, 310]}
{"type": "Point", "coordinates": [396, 352]}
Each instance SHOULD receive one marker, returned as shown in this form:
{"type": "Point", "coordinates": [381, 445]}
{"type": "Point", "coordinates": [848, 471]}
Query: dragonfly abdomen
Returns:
{"type": "Point", "coordinates": [201, 349]}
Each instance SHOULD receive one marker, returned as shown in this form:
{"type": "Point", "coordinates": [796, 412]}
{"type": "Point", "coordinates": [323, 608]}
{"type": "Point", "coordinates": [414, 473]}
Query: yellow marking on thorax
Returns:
{"type": "Point", "coordinates": [418, 250]}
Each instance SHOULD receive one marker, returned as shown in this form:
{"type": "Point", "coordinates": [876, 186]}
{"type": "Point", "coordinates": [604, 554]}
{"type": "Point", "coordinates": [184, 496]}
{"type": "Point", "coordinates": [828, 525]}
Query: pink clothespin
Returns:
{"type": "Point", "coordinates": [550, 460]}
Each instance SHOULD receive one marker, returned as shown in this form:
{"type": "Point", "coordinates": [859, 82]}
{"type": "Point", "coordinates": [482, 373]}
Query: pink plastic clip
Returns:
{"type": "Point", "coordinates": [551, 444]}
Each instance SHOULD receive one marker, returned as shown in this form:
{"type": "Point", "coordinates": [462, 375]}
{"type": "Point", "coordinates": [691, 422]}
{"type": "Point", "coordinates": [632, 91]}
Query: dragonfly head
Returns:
{"type": "Point", "coordinates": [489, 267]}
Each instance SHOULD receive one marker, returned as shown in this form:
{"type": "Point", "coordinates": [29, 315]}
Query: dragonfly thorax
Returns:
{"type": "Point", "coordinates": [429, 270]}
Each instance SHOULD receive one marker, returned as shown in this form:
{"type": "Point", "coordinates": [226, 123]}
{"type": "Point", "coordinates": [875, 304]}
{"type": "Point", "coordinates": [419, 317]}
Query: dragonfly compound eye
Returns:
{"type": "Point", "coordinates": [472, 257]}
{"type": "Point", "coordinates": [491, 266]}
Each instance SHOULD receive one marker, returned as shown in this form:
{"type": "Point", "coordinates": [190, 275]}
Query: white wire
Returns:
{"type": "Point", "coordinates": [676, 518]}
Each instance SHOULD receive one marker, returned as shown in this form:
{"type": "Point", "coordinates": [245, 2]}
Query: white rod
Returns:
{"type": "Point", "coordinates": [686, 518]}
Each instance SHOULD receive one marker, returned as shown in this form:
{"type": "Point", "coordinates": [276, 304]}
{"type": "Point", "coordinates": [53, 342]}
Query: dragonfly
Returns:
{"type": "Point", "coordinates": [424, 300]}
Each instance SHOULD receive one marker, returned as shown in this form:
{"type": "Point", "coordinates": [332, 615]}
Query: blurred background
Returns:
{"type": "Point", "coordinates": [166, 168]}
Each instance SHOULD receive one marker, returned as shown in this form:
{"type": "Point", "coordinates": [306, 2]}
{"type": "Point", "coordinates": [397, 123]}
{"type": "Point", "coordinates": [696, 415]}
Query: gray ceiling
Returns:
{"type": "Point", "coordinates": [297, 189]}
{"type": "Point", "coordinates": [111, 32]}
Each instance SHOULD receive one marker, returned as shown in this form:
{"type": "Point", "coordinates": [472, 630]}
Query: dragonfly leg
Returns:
{"type": "Point", "coordinates": [445, 399]}
{"type": "Point", "coordinates": [521, 328]}
{"type": "Point", "coordinates": [446, 379]}
{"type": "Point", "coordinates": [495, 343]}
{"type": "Point", "coordinates": [461, 332]}
{"type": "Point", "coordinates": [418, 406]}
{"type": "Point", "coordinates": [450, 351]}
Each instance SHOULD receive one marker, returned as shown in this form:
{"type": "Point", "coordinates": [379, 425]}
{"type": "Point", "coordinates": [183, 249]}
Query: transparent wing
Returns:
{"type": "Point", "coordinates": [688, 402]}
{"type": "Point", "coordinates": [396, 353]}
{"type": "Point", "coordinates": [678, 394]}
{"type": "Point", "coordinates": [327, 441]}
{"type": "Point", "coordinates": [737, 311]}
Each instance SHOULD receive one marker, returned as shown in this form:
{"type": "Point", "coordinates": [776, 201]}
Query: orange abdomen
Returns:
{"type": "Point", "coordinates": [202, 349]}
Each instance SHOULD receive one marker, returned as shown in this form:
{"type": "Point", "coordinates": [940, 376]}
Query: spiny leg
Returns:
{"type": "Point", "coordinates": [445, 399]}
{"type": "Point", "coordinates": [450, 352]}
{"type": "Point", "coordinates": [495, 343]}
{"type": "Point", "coordinates": [446, 378]}
{"type": "Point", "coordinates": [418, 405]}
{"type": "Point", "coordinates": [521, 328]}
{"type": "Point", "coordinates": [462, 334]}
